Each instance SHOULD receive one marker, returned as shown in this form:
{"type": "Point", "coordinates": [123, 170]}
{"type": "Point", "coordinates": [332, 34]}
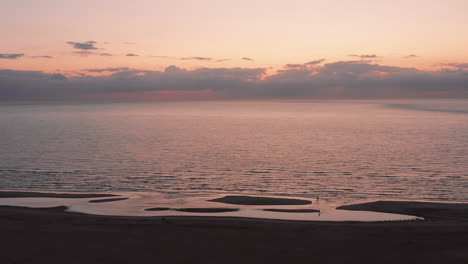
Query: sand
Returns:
{"type": "Point", "coordinates": [430, 211]}
{"type": "Point", "coordinates": [55, 236]}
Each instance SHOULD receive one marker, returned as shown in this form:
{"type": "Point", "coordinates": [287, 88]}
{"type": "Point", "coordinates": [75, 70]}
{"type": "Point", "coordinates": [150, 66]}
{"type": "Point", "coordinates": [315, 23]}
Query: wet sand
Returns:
{"type": "Point", "coordinates": [194, 210]}
{"type": "Point", "coordinates": [292, 210]}
{"type": "Point", "coordinates": [207, 210]}
{"type": "Point", "coordinates": [54, 236]}
{"type": "Point", "coordinates": [255, 200]}
{"type": "Point", "coordinates": [108, 200]}
{"type": "Point", "coordinates": [430, 211]}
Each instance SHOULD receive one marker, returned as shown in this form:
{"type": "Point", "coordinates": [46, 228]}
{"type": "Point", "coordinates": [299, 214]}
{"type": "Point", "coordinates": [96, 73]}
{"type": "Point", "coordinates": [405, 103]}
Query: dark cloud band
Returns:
{"type": "Point", "coordinates": [342, 79]}
{"type": "Point", "coordinates": [11, 56]}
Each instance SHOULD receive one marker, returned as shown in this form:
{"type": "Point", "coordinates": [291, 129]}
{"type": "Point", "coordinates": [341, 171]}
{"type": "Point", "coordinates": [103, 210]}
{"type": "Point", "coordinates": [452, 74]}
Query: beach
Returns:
{"type": "Point", "coordinates": [51, 235]}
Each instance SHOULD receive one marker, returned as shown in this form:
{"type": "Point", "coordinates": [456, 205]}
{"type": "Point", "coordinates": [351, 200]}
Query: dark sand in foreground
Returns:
{"type": "Point", "coordinates": [54, 236]}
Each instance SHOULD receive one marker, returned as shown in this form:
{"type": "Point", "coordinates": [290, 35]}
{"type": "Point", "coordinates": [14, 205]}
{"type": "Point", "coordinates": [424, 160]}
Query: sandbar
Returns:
{"type": "Point", "coordinates": [428, 210]}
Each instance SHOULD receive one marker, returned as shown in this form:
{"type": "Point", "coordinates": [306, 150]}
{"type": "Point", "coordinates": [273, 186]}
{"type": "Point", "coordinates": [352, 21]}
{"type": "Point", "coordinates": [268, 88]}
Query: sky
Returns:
{"type": "Point", "coordinates": [222, 49]}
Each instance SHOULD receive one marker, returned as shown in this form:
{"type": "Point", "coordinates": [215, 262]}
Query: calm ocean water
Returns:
{"type": "Point", "coordinates": [342, 150]}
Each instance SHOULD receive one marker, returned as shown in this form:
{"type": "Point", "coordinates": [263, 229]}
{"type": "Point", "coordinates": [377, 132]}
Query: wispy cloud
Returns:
{"type": "Point", "coordinates": [459, 65]}
{"type": "Point", "coordinates": [314, 62]}
{"type": "Point", "coordinates": [197, 58]}
{"type": "Point", "coordinates": [83, 53]}
{"type": "Point", "coordinates": [105, 54]}
{"type": "Point", "coordinates": [310, 64]}
{"type": "Point", "coordinates": [364, 56]}
{"type": "Point", "coordinates": [223, 60]}
{"type": "Point", "coordinates": [89, 45]}
{"type": "Point", "coordinates": [42, 57]}
{"type": "Point", "coordinates": [11, 56]}
{"type": "Point", "coordinates": [132, 55]}
{"type": "Point", "coordinates": [410, 56]}
{"type": "Point", "coordinates": [247, 59]}
{"type": "Point", "coordinates": [294, 65]}
{"type": "Point", "coordinates": [118, 69]}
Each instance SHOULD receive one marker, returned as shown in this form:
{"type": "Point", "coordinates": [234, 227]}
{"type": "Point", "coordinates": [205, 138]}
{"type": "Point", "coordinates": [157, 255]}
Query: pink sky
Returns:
{"type": "Point", "coordinates": [271, 33]}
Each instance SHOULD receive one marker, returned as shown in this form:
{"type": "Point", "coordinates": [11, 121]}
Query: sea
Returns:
{"type": "Point", "coordinates": [342, 150]}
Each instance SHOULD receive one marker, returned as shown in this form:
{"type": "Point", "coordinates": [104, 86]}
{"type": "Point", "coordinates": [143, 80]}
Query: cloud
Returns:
{"type": "Point", "coordinates": [105, 54]}
{"type": "Point", "coordinates": [35, 85]}
{"type": "Point", "coordinates": [11, 56]}
{"type": "Point", "coordinates": [310, 64]}
{"type": "Point", "coordinates": [315, 62]}
{"type": "Point", "coordinates": [131, 55]}
{"type": "Point", "coordinates": [459, 65]}
{"type": "Point", "coordinates": [358, 79]}
{"type": "Point", "coordinates": [223, 60]}
{"type": "Point", "coordinates": [410, 56]}
{"type": "Point", "coordinates": [118, 69]}
{"type": "Point", "coordinates": [31, 85]}
{"type": "Point", "coordinates": [89, 45]}
{"type": "Point", "coordinates": [197, 58]}
{"type": "Point", "coordinates": [129, 43]}
{"type": "Point", "coordinates": [247, 59]}
{"type": "Point", "coordinates": [364, 56]}
{"type": "Point", "coordinates": [295, 65]}
{"type": "Point", "coordinates": [340, 79]}
{"type": "Point", "coordinates": [83, 53]}
{"type": "Point", "coordinates": [42, 57]}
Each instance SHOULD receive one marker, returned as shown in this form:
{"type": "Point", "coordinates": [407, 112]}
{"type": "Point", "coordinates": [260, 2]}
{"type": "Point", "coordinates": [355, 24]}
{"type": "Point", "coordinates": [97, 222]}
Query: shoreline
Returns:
{"type": "Point", "coordinates": [420, 209]}
{"type": "Point", "coordinates": [237, 206]}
